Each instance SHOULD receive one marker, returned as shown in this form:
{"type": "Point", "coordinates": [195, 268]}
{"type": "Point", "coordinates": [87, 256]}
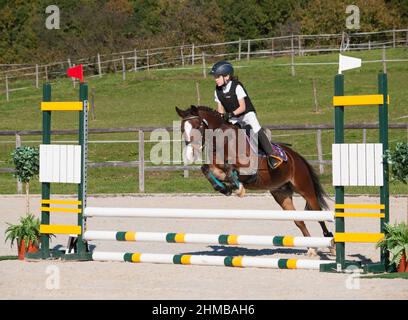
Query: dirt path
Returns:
{"type": "Point", "coordinates": [109, 280]}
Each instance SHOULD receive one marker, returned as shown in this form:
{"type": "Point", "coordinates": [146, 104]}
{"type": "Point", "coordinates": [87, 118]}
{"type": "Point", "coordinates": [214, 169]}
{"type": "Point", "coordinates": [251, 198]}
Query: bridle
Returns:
{"type": "Point", "coordinates": [201, 128]}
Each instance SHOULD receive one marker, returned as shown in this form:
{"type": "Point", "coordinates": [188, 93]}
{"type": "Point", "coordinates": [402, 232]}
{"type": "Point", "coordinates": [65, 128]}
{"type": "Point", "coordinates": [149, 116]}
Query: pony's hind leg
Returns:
{"type": "Point", "coordinates": [312, 203]}
{"type": "Point", "coordinates": [284, 198]}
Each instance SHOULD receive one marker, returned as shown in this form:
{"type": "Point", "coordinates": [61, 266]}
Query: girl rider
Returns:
{"type": "Point", "coordinates": [233, 101]}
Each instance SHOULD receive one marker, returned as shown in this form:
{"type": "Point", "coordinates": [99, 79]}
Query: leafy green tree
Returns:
{"type": "Point", "coordinates": [320, 16]}
{"type": "Point", "coordinates": [398, 158]}
{"type": "Point", "coordinates": [26, 161]}
{"type": "Point", "coordinates": [17, 39]}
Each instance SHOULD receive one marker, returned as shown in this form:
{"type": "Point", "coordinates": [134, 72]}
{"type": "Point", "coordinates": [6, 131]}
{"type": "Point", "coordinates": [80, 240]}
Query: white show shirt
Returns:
{"type": "Point", "coordinates": [239, 91]}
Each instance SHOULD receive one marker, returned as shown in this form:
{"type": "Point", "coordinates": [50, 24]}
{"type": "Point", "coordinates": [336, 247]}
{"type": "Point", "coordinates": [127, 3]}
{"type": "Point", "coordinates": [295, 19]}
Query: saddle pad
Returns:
{"type": "Point", "coordinates": [277, 150]}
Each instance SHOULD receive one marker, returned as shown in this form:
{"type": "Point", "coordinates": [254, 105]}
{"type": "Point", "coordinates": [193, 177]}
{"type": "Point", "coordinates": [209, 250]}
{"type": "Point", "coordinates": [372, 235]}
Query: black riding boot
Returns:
{"type": "Point", "coordinates": [273, 161]}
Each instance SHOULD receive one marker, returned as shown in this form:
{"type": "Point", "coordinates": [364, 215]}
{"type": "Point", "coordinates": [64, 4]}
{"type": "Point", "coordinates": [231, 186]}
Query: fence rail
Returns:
{"type": "Point", "coordinates": [144, 165]}
{"type": "Point", "coordinates": [180, 56]}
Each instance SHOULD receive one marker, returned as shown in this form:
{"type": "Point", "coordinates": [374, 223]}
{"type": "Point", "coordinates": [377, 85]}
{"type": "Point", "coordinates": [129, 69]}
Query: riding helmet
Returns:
{"type": "Point", "coordinates": [222, 68]}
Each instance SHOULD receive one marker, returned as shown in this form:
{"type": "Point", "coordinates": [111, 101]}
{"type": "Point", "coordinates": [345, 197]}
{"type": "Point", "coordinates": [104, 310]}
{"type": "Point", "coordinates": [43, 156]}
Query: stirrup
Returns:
{"type": "Point", "coordinates": [274, 161]}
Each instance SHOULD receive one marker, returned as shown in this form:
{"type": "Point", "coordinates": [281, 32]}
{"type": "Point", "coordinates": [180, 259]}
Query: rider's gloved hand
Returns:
{"type": "Point", "coordinates": [228, 115]}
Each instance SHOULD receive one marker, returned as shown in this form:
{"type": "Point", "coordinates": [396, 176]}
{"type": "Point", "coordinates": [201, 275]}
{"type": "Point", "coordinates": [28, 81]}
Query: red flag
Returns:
{"type": "Point", "coordinates": [76, 72]}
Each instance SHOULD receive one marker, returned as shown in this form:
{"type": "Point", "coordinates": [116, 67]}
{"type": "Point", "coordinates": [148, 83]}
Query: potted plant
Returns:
{"type": "Point", "coordinates": [26, 234]}
{"type": "Point", "coordinates": [395, 242]}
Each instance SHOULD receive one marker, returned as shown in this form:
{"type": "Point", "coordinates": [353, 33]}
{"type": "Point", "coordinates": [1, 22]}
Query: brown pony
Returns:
{"type": "Point", "coordinates": [293, 175]}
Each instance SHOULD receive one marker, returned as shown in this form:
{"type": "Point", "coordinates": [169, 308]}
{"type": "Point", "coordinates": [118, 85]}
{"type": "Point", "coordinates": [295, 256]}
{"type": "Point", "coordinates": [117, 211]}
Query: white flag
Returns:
{"type": "Point", "coordinates": [347, 63]}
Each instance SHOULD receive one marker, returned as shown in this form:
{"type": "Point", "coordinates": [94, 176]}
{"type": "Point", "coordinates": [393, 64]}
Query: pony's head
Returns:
{"type": "Point", "coordinates": [192, 130]}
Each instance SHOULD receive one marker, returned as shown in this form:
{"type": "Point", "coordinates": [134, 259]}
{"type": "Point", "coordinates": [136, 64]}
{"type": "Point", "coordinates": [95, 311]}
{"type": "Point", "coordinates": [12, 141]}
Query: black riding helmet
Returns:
{"type": "Point", "coordinates": [222, 68]}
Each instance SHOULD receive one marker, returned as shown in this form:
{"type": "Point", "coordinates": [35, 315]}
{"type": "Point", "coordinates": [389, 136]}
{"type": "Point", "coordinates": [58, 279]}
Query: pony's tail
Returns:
{"type": "Point", "coordinates": [320, 193]}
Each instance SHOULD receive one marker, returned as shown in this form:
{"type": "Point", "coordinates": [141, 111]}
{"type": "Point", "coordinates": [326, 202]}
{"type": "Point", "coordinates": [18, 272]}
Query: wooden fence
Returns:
{"type": "Point", "coordinates": [144, 165]}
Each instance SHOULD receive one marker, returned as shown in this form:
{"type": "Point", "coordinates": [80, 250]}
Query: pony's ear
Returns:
{"type": "Point", "coordinates": [182, 113]}
{"type": "Point", "coordinates": [194, 110]}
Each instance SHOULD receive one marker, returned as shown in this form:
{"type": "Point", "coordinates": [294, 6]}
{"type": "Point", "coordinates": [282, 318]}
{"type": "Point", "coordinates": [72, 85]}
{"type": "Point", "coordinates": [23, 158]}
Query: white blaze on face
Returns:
{"type": "Point", "coordinates": [189, 152]}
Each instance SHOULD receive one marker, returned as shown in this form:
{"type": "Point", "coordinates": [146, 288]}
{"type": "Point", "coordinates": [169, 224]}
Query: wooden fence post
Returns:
{"type": "Point", "coordinates": [240, 44]}
{"type": "Point", "coordinates": [135, 58]}
{"type": "Point", "coordinates": [384, 60]}
{"type": "Point", "coordinates": [198, 93]}
{"type": "Point", "coordinates": [316, 110]}
{"type": "Point", "coordinates": [293, 58]}
{"type": "Point", "coordinates": [182, 56]}
{"type": "Point", "coordinates": [273, 45]}
{"type": "Point", "coordinates": [70, 66]}
{"type": "Point", "coordinates": [99, 66]}
{"type": "Point", "coordinates": [249, 49]}
{"type": "Point", "coordinates": [204, 66]}
{"type": "Point", "coordinates": [393, 38]}
{"type": "Point", "coordinates": [320, 150]}
{"type": "Point", "coordinates": [192, 55]}
{"type": "Point", "coordinates": [7, 89]}
{"type": "Point", "coordinates": [406, 39]}
{"type": "Point", "coordinates": [37, 80]}
{"type": "Point", "coordinates": [141, 162]}
{"type": "Point", "coordinates": [46, 73]}
{"type": "Point", "coordinates": [300, 45]}
{"type": "Point", "coordinates": [123, 69]}
{"type": "Point", "coordinates": [148, 60]}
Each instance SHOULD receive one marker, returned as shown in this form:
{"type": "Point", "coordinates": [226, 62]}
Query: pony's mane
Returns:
{"type": "Point", "coordinates": [210, 110]}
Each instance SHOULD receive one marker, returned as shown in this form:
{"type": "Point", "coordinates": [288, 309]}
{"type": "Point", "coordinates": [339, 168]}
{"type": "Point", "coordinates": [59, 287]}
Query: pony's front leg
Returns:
{"type": "Point", "coordinates": [233, 179]}
{"type": "Point", "coordinates": [215, 177]}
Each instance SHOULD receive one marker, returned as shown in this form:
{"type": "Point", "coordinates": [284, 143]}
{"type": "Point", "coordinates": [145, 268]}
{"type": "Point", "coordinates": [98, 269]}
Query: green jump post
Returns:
{"type": "Point", "coordinates": [339, 190]}
{"type": "Point", "coordinates": [82, 252]}
{"type": "Point", "coordinates": [83, 141]}
{"type": "Point", "coordinates": [46, 186]}
{"type": "Point", "coordinates": [384, 190]}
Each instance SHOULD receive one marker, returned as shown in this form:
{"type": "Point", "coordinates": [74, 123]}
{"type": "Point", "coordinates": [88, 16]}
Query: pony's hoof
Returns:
{"type": "Point", "coordinates": [312, 252]}
{"type": "Point", "coordinates": [241, 191]}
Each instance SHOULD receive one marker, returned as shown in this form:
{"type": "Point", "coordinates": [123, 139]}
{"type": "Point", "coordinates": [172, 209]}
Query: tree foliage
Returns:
{"type": "Point", "coordinates": [104, 26]}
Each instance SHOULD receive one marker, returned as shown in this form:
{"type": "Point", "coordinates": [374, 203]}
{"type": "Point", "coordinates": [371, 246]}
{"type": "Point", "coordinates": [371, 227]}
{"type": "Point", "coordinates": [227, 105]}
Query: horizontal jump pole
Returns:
{"type": "Point", "coordinates": [307, 215]}
{"type": "Point", "coordinates": [228, 261]}
{"type": "Point", "coordinates": [223, 239]}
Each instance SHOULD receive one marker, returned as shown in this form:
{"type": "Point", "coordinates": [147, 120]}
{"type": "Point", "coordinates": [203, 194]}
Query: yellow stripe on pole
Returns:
{"type": "Point", "coordinates": [362, 100]}
{"type": "Point", "coordinates": [357, 237]}
{"type": "Point", "coordinates": [186, 259]}
{"type": "Point", "coordinates": [237, 261]}
{"type": "Point", "coordinates": [62, 106]}
{"type": "Point", "coordinates": [358, 206]}
{"type": "Point", "coordinates": [358, 215]}
{"type": "Point", "coordinates": [179, 238]}
{"type": "Point", "coordinates": [291, 263]}
{"type": "Point", "coordinates": [136, 257]}
{"type": "Point", "coordinates": [56, 201]}
{"type": "Point", "coordinates": [288, 241]}
{"type": "Point", "coordinates": [71, 210]}
{"type": "Point", "coordinates": [130, 236]}
{"type": "Point", "coordinates": [59, 229]}
{"type": "Point", "coordinates": [232, 239]}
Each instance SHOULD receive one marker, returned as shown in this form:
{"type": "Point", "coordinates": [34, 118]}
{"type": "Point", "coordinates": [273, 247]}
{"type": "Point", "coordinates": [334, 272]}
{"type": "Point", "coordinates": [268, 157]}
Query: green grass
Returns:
{"type": "Point", "coordinates": [149, 100]}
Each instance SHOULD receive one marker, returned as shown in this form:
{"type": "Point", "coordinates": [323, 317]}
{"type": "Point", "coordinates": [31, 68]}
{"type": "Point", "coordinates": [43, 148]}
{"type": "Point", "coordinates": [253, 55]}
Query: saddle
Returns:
{"type": "Point", "coordinates": [276, 148]}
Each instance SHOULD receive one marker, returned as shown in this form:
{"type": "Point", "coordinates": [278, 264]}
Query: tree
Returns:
{"type": "Point", "coordinates": [26, 161]}
{"type": "Point", "coordinates": [320, 16]}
